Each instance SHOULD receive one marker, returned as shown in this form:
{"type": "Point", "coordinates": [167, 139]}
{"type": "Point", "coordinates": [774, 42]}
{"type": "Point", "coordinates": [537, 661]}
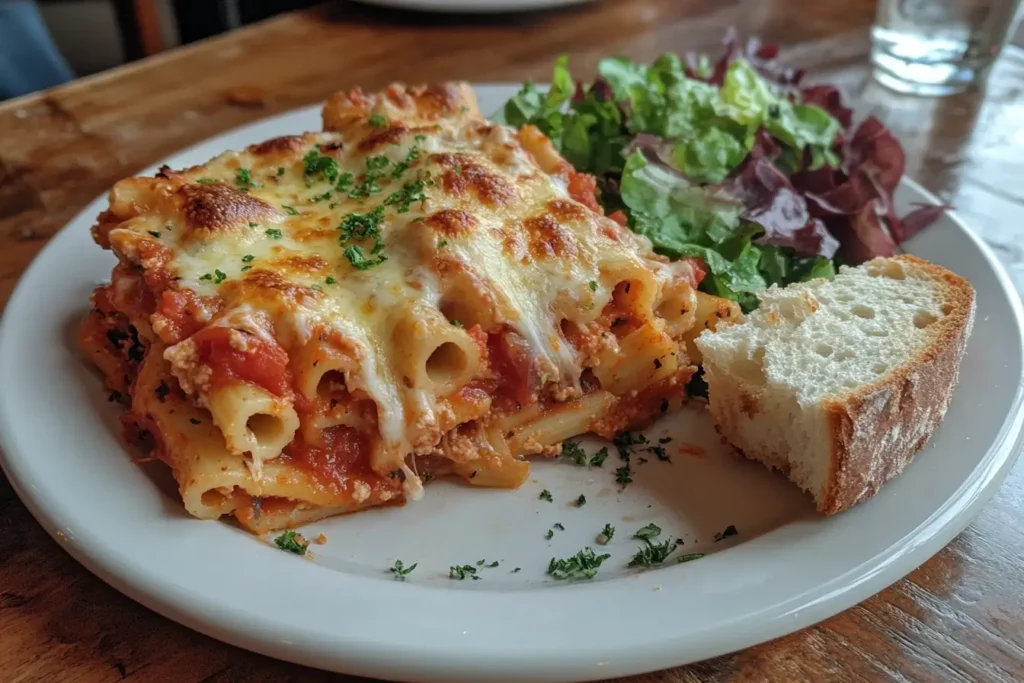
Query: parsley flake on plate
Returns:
{"type": "Point", "coordinates": [581, 501]}
{"type": "Point", "coordinates": [606, 535]}
{"type": "Point", "coordinates": [461, 572]}
{"type": "Point", "coordinates": [648, 532]}
{"type": "Point", "coordinates": [378, 121]}
{"type": "Point", "coordinates": [651, 554]}
{"type": "Point", "coordinates": [546, 495]}
{"type": "Point", "coordinates": [292, 542]}
{"type": "Point", "coordinates": [722, 535]}
{"type": "Point", "coordinates": [572, 450]}
{"type": "Point", "coordinates": [582, 565]}
{"type": "Point", "coordinates": [597, 460]}
{"type": "Point", "coordinates": [401, 571]}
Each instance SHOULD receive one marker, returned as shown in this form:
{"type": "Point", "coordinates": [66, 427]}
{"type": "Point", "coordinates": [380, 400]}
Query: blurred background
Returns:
{"type": "Point", "coordinates": [94, 35]}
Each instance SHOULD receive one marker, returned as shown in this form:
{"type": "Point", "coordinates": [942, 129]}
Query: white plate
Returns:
{"type": "Point", "coordinates": [786, 569]}
{"type": "Point", "coordinates": [475, 6]}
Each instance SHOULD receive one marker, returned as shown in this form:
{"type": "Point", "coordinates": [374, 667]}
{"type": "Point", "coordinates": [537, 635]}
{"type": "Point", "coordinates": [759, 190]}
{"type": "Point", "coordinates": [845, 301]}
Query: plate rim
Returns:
{"type": "Point", "coordinates": [229, 626]}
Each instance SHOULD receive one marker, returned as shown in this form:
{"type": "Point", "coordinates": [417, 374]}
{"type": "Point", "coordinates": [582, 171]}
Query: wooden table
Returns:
{"type": "Point", "coordinates": [960, 617]}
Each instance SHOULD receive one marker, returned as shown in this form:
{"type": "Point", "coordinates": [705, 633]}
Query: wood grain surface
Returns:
{"type": "Point", "coordinates": [959, 617]}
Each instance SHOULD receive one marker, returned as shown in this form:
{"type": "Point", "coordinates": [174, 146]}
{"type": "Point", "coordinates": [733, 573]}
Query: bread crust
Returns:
{"type": "Point", "coordinates": [873, 432]}
{"type": "Point", "coordinates": [877, 430]}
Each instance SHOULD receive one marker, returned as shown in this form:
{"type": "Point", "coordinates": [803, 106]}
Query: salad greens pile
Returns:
{"type": "Point", "coordinates": [731, 163]}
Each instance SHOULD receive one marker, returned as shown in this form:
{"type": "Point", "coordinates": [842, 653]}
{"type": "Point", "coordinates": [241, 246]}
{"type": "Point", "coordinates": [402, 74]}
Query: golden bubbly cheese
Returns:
{"type": "Point", "coordinates": [411, 221]}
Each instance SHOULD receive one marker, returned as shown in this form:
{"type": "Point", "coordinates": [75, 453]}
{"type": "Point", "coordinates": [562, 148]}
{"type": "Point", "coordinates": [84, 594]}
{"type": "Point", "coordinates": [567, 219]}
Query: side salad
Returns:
{"type": "Point", "coordinates": [731, 162]}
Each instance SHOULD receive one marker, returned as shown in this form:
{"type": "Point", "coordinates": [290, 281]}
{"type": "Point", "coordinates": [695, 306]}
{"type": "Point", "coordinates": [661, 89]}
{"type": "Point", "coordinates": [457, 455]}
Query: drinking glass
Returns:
{"type": "Point", "coordinates": [938, 47]}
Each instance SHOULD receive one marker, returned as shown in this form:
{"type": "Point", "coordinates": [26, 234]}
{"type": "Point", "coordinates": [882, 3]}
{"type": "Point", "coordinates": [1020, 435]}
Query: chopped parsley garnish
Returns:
{"type": "Point", "coordinates": [273, 233]}
{"type": "Point", "coordinates": [420, 138]}
{"type": "Point", "coordinates": [330, 280]}
{"type": "Point", "coordinates": [404, 198]}
{"type": "Point", "coordinates": [483, 563]}
{"type": "Point", "coordinates": [378, 121]}
{"type": "Point", "coordinates": [573, 451]}
{"type": "Point", "coordinates": [253, 225]}
{"type": "Point", "coordinates": [345, 181]}
{"type": "Point", "coordinates": [243, 180]}
{"type": "Point", "coordinates": [582, 565]}
{"type": "Point", "coordinates": [206, 277]}
{"type": "Point", "coordinates": [289, 210]}
{"type": "Point", "coordinates": [654, 553]}
{"type": "Point", "coordinates": [317, 164]}
{"type": "Point", "coordinates": [624, 475]}
{"type": "Point", "coordinates": [729, 531]}
{"type": "Point", "coordinates": [549, 535]}
{"type": "Point", "coordinates": [403, 165]}
{"type": "Point", "coordinates": [581, 501]}
{"type": "Point", "coordinates": [154, 233]}
{"type": "Point", "coordinates": [248, 258]}
{"type": "Point", "coordinates": [517, 570]}
{"type": "Point", "coordinates": [292, 542]}
{"type": "Point", "coordinates": [597, 460]}
{"type": "Point", "coordinates": [660, 452]}
{"type": "Point", "coordinates": [193, 420]}
{"type": "Point", "coordinates": [401, 571]}
{"type": "Point", "coordinates": [245, 268]}
{"type": "Point", "coordinates": [321, 197]}
{"type": "Point", "coordinates": [558, 525]}
{"type": "Point", "coordinates": [689, 557]}
{"type": "Point", "coordinates": [316, 288]}
{"type": "Point", "coordinates": [442, 244]}
{"type": "Point", "coordinates": [606, 535]}
{"type": "Point", "coordinates": [357, 226]}
{"type": "Point", "coordinates": [593, 285]}
{"type": "Point", "coordinates": [374, 171]}
{"type": "Point", "coordinates": [219, 277]}
{"type": "Point", "coordinates": [546, 495]}
{"type": "Point", "coordinates": [624, 442]}
{"type": "Point", "coordinates": [357, 257]}
{"type": "Point", "coordinates": [648, 532]}
{"type": "Point", "coordinates": [206, 181]}
{"type": "Point", "coordinates": [462, 572]}
{"type": "Point", "coordinates": [280, 171]}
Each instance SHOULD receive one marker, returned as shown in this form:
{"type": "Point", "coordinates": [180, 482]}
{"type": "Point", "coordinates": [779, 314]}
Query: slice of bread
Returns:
{"type": "Point", "coordinates": [838, 384]}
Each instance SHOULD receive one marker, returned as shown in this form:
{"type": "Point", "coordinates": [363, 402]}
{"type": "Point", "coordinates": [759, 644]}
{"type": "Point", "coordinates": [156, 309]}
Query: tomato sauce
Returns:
{"type": "Point", "coordinates": [261, 362]}
{"type": "Point", "coordinates": [342, 460]}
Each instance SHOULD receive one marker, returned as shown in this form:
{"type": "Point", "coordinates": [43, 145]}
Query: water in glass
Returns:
{"type": "Point", "coordinates": [938, 47]}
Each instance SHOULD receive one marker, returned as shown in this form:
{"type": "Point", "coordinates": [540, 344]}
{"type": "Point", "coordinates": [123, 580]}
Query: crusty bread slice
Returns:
{"type": "Point", "coordinates": [838, 384]}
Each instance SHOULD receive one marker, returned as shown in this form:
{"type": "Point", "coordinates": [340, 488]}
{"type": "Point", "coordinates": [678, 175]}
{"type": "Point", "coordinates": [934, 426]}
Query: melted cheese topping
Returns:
{"type": "Point", "coordinates": [413, 200]}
